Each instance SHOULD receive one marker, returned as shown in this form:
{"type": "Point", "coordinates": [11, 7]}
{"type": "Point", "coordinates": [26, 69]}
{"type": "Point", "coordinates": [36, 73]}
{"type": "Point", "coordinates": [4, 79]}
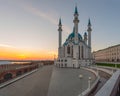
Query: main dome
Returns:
{"type": "Point", "coordinates": [72, 35]}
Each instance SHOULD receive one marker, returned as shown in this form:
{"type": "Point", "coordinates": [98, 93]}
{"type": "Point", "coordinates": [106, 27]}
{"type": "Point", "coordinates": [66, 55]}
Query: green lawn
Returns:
{"type": "Point", "coordinates": [108, 64]}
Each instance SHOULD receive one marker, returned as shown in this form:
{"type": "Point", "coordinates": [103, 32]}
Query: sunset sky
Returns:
{"type": "Point", "coordinates": [28, 28]}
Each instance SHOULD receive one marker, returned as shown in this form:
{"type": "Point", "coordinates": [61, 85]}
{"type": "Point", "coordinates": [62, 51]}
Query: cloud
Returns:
{"type": "Point", "coordinates": [46, 15]}
{"type": "Point", "coordinates": [8, 46]}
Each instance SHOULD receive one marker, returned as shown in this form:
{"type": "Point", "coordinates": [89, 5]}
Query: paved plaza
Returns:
{"type": "Point", "coordinates": [50, 81]}
{"type": "Point", "coordinates": [35, 84]}
{"type": "Point", "coordinates": [66, 81]}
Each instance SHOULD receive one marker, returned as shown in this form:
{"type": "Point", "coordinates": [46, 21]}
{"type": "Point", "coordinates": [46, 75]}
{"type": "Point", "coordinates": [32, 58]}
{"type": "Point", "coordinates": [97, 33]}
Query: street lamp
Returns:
{"type": "Point", "coordinates": [97, 70]}
{"type": "Point", "coordinates": [81, 76]}
{"type": "Point", "coordinates": [89, 82]}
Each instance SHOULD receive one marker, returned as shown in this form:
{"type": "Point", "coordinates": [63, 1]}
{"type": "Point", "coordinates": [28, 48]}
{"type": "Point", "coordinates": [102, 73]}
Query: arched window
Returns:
{"type": "Point", "coordinates": [61, 65]}
{"type": "Point", "coordinates": [72, 51]}
{"type": "Point", "coordinates": [68, 49]}
{"type": "Point", "coordinates": [65, 65]}
{"type": "Point", "coordinates": [79, 52]}
{"type": "Point", "coordinates": [82, 52]}
{"type": "Point", "coordinates": [73, 66]}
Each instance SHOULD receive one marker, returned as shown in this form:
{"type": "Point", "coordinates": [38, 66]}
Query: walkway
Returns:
{"type": "Point", "coordinates": [35, 84]}
{"type": "Point", "coordinates": [50, 81]}
{"type": "Point", "coordinates": [65, 81]}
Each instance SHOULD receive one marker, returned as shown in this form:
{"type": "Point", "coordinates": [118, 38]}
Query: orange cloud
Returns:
{"type": "Point", "coordinates": [19, 54]}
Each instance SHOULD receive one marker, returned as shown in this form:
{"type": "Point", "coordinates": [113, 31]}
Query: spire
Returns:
{"type": "Point", "coordinates": [60, 22]}
{"type": "Point", "coordinates": [89, 23]}
{"type": "Point", "coordinates": [76, 11]}
{"type": "Point", "coordinates": [60, 25]}
{"type": "Point", "coordinates": [89, 26]}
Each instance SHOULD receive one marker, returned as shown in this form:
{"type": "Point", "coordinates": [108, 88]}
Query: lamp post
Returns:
{"type": "Point", "coordinates": [81, 76]}
{"type": "Point", "coordinates": [89, 82]}
{"type": "Point", "coordinates": [97, 70]}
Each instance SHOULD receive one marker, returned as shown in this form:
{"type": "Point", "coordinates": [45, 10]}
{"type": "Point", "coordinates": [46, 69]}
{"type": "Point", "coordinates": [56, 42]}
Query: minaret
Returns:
{"type": "Point", "coordinates": [60, 37]}
{"type": "Point", "coordinates": [85, 37]}
{"type": "Point", "coordinates": [76, 21]}
{"type": "Point", "coordinates": [89, 33]}
{"type": "Point", "coordinates": [89, 37]}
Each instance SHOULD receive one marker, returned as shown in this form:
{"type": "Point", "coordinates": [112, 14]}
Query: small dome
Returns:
{"type": "Point", "coordinates": [85, 33]}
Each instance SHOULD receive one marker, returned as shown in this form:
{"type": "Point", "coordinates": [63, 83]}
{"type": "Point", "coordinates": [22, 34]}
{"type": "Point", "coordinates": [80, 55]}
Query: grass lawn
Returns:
{"type": "Point", "coordinates": [109, 65]}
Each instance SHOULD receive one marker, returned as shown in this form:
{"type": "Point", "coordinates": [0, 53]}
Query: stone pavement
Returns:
{"type": "Point", "coordinates": [35, 84]}
{"type": "Point", "coordinates": [50, 81]}
{"type": "Point", "coordinates": [65, 81]}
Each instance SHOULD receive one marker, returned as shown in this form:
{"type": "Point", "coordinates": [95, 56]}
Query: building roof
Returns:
{"type": "Point", "coordinates": [71, 36]}
{"type": "Point", "coordinates": [108, 48]}
{"type": "Point", "coordinates": [114, 46]}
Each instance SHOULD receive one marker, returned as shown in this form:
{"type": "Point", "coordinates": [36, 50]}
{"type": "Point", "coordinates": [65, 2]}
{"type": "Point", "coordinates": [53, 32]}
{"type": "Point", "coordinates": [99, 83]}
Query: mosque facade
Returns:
{"type": "Point", "coordinates": [76, 50]}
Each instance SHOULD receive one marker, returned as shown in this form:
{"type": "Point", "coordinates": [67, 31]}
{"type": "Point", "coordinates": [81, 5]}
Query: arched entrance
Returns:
{"type": "Point", "coordinates": [8, 76]}
{"type": "Point", "coordinates": [65, 65]}
{"type": "Point", "coordinates": [73, 65]}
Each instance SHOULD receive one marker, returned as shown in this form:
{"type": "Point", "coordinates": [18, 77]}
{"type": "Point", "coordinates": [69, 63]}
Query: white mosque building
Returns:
{"type": "Point", "coordinates": [76, 50]}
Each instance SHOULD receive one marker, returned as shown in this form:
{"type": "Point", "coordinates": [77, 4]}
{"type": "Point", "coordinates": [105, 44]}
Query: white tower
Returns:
{"type": "Point", "coordinates": [76, 21]}
{"type": "Point", "coordinates": [89, 37]}
{"type": "Point", "coordinates": [60, 37]}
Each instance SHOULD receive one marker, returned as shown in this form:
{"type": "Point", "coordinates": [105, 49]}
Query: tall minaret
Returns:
{"type": "Point", "coordinates": [76, 21]}
{"type": "Point", "coordinates": [89, 37]}
{"type": "Point", "coordinates": [60, 37]}
{"type": "Point", "coordinates": [89, 33]}
{"type": "Point", "coordinates": [85, 37]}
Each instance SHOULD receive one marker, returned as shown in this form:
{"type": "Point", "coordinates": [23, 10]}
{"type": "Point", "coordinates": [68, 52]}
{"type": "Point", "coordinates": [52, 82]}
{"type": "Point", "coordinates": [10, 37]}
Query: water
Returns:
{"type": "Point", "coordinates": [9, 62]}
{"type": "Point", "coordinates": [5, 62]}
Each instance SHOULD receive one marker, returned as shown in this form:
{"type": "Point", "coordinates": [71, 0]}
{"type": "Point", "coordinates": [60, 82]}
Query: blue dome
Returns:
{"type": "Point", "coordinates": [72, 35]}
{"type": "Point", "coordinates": [85, 33]}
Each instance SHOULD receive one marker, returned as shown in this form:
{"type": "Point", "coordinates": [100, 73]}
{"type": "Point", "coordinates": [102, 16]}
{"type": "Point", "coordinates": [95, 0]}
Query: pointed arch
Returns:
{"type": "Point", "coordinates": [79, 52]}
{"type": "Point", "coordinates": [72, 50]}
{"type": "Point", "coordinates": [82, 52]}
{"type": "Point", "coordinates": [68, 49]}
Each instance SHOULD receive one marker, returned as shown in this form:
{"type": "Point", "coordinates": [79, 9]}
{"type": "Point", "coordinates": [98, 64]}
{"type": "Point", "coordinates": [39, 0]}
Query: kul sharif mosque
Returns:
{"type": "Point", "coordinates": [76, 50]}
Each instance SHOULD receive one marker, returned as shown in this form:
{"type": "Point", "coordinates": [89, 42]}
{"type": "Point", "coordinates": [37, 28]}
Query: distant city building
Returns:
{"type": "Point", "coordinates": [76, 50]}
{"type": "Point", "coordinates": [110, 54]}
